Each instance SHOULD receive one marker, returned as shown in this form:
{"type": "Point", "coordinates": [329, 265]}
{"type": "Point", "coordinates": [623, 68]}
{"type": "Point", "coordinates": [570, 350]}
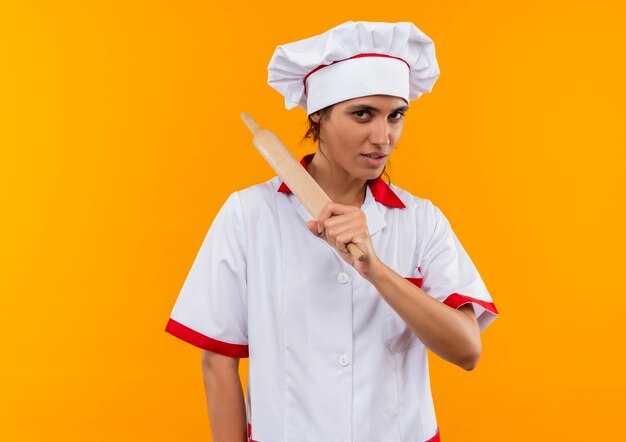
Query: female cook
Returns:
{"type": "Point", "coordinates": [337, 347]}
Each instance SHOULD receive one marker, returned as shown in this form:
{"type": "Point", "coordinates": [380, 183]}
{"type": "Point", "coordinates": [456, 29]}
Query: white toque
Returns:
{"type": "Point", "coordinates": [354, 59]}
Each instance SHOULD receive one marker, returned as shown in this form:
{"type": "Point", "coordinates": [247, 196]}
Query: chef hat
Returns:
{"type": "Point", "coordinates": [354, 59]}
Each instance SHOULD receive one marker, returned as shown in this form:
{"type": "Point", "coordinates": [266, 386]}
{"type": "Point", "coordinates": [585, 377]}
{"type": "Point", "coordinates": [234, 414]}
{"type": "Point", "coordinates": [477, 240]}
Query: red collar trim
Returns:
{"type": "Point", "coordinates": [380, 190]}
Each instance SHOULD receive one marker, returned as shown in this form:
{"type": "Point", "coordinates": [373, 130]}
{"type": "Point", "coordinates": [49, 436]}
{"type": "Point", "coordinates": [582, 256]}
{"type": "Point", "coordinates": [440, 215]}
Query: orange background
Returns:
{"type": "Point", "coordinates": [121, 138]}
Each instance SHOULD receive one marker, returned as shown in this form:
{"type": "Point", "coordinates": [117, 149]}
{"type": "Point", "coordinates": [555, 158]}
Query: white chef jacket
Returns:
{"type": "Point", "coordinates": [330, 361]}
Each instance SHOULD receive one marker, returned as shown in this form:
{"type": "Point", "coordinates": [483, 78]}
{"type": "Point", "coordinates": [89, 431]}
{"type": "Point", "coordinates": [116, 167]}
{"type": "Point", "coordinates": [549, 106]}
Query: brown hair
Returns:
{"type": "Point", "coordinates": [314, 127]}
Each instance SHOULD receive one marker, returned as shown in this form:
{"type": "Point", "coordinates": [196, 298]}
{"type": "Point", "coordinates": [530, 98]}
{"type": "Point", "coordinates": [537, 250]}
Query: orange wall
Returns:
{"type": "Point", "coordinates": [120, 138]}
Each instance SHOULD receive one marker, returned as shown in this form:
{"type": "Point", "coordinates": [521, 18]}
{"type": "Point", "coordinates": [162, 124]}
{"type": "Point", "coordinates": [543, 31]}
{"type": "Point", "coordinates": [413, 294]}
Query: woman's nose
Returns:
{"type": "Point", "coordinates": [380, 132]}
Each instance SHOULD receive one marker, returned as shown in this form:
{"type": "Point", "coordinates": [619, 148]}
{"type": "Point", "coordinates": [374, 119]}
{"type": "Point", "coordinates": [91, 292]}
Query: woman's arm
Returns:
{"type": "Point", "coordinates": [227, 411]}
{"type": "Point", "coordinates": [452, 334]}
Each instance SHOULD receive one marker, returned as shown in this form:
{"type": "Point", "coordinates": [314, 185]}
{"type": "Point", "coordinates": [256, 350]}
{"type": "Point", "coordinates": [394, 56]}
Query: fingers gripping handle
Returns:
{"type": "Point", "coordinates": [356, 251]}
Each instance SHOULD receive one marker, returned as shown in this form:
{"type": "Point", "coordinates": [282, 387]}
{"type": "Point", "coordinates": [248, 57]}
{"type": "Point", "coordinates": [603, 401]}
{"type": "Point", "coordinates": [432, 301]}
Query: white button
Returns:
{"type": "Point", "coordinates": [343, 278]}
{"type": "Point", "coordinates": [343, 360]}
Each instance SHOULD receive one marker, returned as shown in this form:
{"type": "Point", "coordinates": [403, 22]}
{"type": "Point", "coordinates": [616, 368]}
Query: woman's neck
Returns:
{"type": "Point", "coordinates": [340, 187]}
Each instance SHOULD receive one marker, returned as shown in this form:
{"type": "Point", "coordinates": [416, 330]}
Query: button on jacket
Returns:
{"type": "Point", "coordinates": [329, 359]}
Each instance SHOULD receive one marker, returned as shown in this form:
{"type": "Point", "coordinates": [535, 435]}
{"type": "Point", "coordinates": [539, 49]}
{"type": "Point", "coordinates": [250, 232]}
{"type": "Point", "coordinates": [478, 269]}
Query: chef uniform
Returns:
{"type": "Point", "coordinates": [330, 361]}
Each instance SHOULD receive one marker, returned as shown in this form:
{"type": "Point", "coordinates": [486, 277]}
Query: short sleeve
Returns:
{"type": "Point", "coordinates": [449, 275]}
{"type": "Point", "coordinates": [211, 309]}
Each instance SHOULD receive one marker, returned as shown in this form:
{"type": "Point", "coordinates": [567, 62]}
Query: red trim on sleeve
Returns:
{"type": "Point", "coordinates": [191, 336]}
{"type": "Point", "coordinates": [456, 300]}
{"type": "Point", "coordinates": [435, 438]}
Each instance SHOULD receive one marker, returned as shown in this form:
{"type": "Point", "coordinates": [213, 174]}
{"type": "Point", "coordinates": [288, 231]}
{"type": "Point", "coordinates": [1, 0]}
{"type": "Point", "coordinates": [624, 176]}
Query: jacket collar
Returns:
{"type": "Point", "coordinates": [379, 189]}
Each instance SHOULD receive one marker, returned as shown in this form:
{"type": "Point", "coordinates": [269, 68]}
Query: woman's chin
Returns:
{"type": "Point", "coordinates": [372, 174]}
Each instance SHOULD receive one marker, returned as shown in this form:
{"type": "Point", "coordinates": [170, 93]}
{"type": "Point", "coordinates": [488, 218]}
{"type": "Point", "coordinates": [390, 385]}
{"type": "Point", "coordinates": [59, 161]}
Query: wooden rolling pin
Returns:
{"type": "Point", "coordinates": [303, 186]}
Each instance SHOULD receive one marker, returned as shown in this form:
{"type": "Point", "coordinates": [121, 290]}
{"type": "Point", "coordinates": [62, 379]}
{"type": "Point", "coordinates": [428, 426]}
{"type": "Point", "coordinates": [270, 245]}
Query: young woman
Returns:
{"type": "Point", "coordinates": [337, 346]}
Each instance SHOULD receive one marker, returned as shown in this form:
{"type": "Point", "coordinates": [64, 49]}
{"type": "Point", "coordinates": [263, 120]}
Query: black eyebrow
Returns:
{"type": "Point", "coordinates": [362, 107]}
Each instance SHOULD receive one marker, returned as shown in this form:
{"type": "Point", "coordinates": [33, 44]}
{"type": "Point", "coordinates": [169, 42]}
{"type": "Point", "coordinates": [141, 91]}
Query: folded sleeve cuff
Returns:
{"type": "Point", "coordinates": [435, 438]}
{"type": "Point", "coordinates": [193, 337]}
{"type": "Point", "coordinates": [485, 311]}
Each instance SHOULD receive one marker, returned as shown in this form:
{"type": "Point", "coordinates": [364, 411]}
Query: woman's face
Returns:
{"type": "Point", "coordinates": [359, 134]}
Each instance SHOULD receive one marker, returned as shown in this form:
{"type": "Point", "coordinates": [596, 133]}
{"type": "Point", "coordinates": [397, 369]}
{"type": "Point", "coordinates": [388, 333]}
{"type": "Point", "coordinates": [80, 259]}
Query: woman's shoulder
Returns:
{"type": "Point", "coordinates": [420, 210]}
{"type": "Point", "coordinates": [411, 201]}
{"type": "Point", "coordinates": [261, 190]}
{"type": "Point", "coordinates": [258, 196]}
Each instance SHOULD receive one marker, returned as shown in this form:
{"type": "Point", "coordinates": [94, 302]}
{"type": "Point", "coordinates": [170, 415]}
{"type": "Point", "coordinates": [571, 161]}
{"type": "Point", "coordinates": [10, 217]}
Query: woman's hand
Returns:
{"type": "Point", "coordinates": [340, 225]}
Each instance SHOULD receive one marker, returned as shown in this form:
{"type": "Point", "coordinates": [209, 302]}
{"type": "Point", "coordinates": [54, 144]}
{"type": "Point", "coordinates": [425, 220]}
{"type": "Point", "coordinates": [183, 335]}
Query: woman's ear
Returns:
{"type": "Point", "coordinates": [315, 116]}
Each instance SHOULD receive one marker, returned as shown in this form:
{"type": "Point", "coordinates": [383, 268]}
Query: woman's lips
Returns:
{"type": "Point", "coordinates": [374, 159]}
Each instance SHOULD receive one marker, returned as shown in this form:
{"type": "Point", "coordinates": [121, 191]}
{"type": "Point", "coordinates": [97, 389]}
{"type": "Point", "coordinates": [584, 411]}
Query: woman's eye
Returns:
{"type": "Point", "coordinates": [362, 115]}
{"type": "Point", "coordinates": [396, 115]}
